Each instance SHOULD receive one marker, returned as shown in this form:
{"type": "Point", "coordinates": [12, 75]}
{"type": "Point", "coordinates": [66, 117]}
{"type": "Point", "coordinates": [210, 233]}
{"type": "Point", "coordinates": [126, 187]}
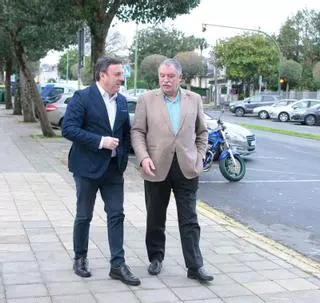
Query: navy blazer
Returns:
{"type": "Point", "coordinates": [85, 122]}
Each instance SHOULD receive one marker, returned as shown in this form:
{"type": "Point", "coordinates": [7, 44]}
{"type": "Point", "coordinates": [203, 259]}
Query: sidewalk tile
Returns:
{"type": "Point", "coordinates": [244, 299]}
{"type": "Point", "coordinates": [155, 296]}
{"type": "Point", "coordinates": [230, 290]}
{"type": "Point", "coordinates": [26, 290]}
{"type": "Point", "coordinates": [263, 287]}
{"type": "Point", "coordinates": [26, 277]}
{"type": "Point", "coordinates": [296, 284]}
{"type": "Point", "coordinates": [71, 288]}
{"type": "Point", "coordinates": [119, 297]}
{"type": "Point", "coordinates": [31, 300]}
{"type": "Point", "coordinates": [246, 277]}
{"type": "Point", "coordinates": [76, 298]}
{"type": "Point", "coordinates": [194, 293]}
{"type": "Point", "coordinates": [105, 286]}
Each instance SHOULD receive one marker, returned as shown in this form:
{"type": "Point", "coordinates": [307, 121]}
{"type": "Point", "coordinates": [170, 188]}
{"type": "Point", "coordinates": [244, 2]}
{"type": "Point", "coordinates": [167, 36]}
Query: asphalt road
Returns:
{"type": "Point", "coordinates": [280, 194]}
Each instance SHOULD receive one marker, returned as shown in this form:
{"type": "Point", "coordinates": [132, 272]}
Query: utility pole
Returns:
{"type": "Point", "coordinates": [136, 60]}
{"type": "Point", "coordinates": [67, 73]}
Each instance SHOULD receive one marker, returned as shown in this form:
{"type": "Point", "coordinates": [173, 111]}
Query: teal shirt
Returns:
{"type": "Point", "coordinates": [174, 111]}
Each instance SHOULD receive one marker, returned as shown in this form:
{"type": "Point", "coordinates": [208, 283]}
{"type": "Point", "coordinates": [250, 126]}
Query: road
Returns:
{"type": "Point", "coordinates": [279, 196]}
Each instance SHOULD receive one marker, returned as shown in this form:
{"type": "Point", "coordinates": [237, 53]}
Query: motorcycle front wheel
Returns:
{"type": "Point", "coordinates": [230, 171]}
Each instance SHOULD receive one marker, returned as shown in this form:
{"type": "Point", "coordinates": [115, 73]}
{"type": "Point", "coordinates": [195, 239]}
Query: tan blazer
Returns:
{"type": "Point", "coordinates": [152, 135]}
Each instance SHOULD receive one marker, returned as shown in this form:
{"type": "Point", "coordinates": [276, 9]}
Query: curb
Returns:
{"type": "Point", "coordinates": [287, 254]}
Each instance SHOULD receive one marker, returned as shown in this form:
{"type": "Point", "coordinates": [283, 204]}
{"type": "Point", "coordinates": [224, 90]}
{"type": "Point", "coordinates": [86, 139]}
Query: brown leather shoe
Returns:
{"type": "Point", "coordinates": [81, 267]}
{"type": "Point", "coordinates": [124, 274]}
{"type": "Point", "coordinates": [199, 274]}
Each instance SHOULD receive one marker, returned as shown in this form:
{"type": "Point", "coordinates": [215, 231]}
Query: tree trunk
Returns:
{"type": "Point", "coordinates": [26, 101]}
{"type": "Point", "coordinates": [98, 38]}
{"type": "Point", "coordinates": [17, 95]}
{"type": "Point", "coordinates": [46, 128]}
{"type": "Point", "coordinates": [8, 83]}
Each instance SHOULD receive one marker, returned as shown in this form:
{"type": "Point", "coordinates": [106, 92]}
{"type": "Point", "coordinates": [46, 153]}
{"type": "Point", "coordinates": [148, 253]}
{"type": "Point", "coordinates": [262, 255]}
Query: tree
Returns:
{"type": "Point", "coordinates": [192, 66]}
{"type": "Point", "coordinates": [299, 39]}
{"type": "Point", "coordinates": [6, 63]}
{"type": "Point", "coordinates": [291, 73]}
{"type": "Point", "coordinates": [34, 29]}
{"type": "Point", "coordinates": [247, 57]}
{"type": "Point", "coordinates": [163, 41]}
{"type": "Point", "coordinates": [69, 59]}
{"type": "Point", "coordinates": [149, 69]}
{"type": "Point", "coordinates": [99, 14]}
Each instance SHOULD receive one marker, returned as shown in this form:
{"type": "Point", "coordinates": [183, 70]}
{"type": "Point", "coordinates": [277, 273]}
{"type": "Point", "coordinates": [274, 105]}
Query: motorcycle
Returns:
{"type": "Point", "coordinates": [231, 164]}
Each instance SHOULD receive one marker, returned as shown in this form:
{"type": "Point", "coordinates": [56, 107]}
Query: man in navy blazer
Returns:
{"type": "Point", "coordinates": [97, 122]}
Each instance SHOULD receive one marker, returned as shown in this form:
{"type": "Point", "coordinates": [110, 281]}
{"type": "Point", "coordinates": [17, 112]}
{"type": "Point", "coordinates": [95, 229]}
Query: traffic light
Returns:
{"type": "Point", "coordinates": [283, 83]}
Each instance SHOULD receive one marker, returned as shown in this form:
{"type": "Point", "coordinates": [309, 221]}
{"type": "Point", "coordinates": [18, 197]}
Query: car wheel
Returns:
{"type": "Point", "coordinates": [239, 112]}
{"type": "Point", "coordinates": [263, 114]}
{"type": "Point", "coordinates": [283, 117]}
{"type": "Point", "coordinates": [310, 120]}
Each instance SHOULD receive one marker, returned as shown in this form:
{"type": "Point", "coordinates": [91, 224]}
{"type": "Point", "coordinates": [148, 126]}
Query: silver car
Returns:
{"type": "Point", "coordinates": [55, 111]}
{"type": "Point", "coordinates": [242, 140]}
{"type": "Point", "coordinates": [263, 111]}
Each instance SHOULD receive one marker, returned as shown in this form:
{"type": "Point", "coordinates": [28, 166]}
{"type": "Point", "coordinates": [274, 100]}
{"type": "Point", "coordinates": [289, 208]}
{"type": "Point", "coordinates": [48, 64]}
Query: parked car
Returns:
{"type": "Point", "coordinates": [51, 92]}
{"type": "Point", "coordinates": [263, 111]}
{"type": "Point", "coordinates": [137, 92]}
{"type": "Point", "coordinates": [309, 116]}
{"type": "Point", "coordinates": [55, 111]}
{"type": "Point", "coordinates": [283, 113]}
{"type": "Point", "coordinates": [243, 140]}
{"type": "Point", "coordinates": [246, 106]}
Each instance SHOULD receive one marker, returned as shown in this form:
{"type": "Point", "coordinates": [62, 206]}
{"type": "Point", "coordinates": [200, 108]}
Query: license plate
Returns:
{"type": "Point", "coordinates": [252, 143]}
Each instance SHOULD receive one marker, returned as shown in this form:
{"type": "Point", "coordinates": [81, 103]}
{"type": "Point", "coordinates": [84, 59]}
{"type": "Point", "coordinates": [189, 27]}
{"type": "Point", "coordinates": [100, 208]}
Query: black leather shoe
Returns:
{"type": "Point", "coordinates": [124, 274]}
{"type": "Point", "coordinates": [81, 267]}
{"type": "Point", "coordinates": [199, 274]}
{"type": "Point", "coordinates": [155, 267]}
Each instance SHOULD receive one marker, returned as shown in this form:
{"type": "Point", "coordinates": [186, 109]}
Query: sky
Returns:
{"type": "Point", "coordinates": [268, 16]}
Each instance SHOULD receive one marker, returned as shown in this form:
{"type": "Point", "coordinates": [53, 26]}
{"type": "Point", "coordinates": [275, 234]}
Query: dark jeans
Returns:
{"type": "Point", "coordinates": [157, 196]}
{"type": "Point", "coordinates": [111, 189]}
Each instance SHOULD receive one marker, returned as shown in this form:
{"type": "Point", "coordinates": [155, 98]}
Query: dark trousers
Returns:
{"type": "Point", "coordinates": [111, 189]}
{"type": "Point", "coordinates": [157, 196]}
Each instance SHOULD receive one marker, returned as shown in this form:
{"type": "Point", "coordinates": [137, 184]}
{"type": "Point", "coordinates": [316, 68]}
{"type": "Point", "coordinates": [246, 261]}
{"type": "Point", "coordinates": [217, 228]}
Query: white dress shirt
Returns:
{"type": "Point", "coordinates": [111, 106]}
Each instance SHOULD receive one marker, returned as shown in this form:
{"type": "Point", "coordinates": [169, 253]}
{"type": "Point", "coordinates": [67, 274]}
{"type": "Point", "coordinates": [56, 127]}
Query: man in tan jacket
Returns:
{"type": "Point", "coordinates": [169, 137]}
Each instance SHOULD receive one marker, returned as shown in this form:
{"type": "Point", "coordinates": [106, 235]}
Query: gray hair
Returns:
{"type": "Point", "coordinates": [174, 62]}
{"type": "Point", "coordinates": [102, 65]}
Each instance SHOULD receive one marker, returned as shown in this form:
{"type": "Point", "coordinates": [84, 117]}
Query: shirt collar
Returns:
{"type": "Point", "coordinates": [177, 97]}
{"type": "Point", "coordinates": [105, 94]}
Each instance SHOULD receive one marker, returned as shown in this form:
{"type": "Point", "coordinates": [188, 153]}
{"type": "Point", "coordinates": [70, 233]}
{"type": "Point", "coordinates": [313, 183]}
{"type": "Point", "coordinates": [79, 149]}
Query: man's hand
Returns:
{"type": "Point", "coordinates": [110, 143]}
{"type": "Point", "coordinates": [148, 166]}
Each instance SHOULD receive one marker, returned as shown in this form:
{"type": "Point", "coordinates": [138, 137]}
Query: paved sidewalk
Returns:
{"type": "Point", "coordinates": [37, 206]}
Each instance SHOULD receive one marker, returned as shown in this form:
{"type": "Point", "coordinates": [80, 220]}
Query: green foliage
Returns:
{"type": "Point", "coordinates": [164, 41]}
{"type": "Point", "coordinates": [292, 72]}
{"type": "Point", "coordinates": [201, 91]}
{"type": "Point", "coordinates": [300, 36]}
{"type": "Point", "coordinates": [149, 69]}
{"type": "Point", "coordinates": [140, 83]}
{"type": "Point", "coordinates": [192, 65]}
{"type": "Point", "coordinates": [246, 57]}
{"type": "Point", "coordinates": [72, 57]}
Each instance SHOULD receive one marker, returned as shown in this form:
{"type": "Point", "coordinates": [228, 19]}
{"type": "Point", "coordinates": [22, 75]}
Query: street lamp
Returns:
{"type": "Point", "coordinates": [204, 28]}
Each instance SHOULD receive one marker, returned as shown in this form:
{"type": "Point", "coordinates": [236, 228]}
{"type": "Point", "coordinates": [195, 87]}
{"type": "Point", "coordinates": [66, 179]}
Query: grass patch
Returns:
{"type": "Point", "coordinates": [282, 131]}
